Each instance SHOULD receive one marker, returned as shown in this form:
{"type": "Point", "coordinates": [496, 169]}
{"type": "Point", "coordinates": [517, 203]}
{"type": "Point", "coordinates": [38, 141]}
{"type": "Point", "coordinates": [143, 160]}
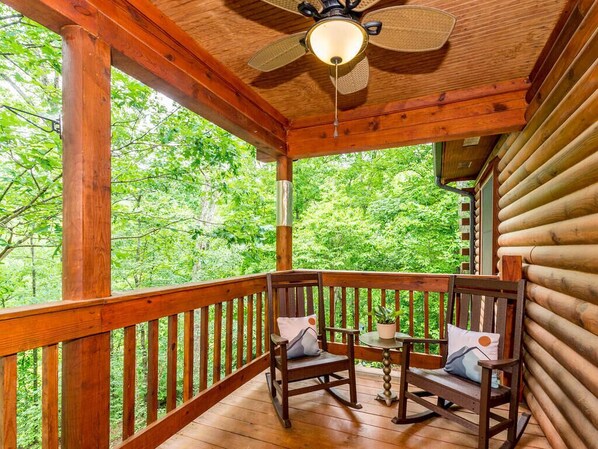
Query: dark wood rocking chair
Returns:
{"type": "Point", "coordinates": [479, 305]}
{"type": "Point", "coordinates": [291, 295]}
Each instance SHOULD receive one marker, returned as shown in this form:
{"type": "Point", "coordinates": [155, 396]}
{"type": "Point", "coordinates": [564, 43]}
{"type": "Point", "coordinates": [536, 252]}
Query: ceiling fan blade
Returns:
{"type": "Point", "coordinates": [279, 53]}
{"type": "Point", "coordinates": [411, 28]}
{"type": "Point", "coordinates": [363, 4]}
{"type": "Point", "coordinates": [352, 77]}
{"type": "Point", "coordinates": [291, 5]}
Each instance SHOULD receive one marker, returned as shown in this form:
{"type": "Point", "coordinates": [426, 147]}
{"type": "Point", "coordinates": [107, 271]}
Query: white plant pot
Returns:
{"type": "Point", "coordinates": [386, 331]}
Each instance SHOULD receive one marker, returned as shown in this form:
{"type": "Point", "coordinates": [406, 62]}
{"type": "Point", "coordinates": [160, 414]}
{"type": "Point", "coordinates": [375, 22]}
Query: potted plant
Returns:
{"type": "Point", "coordinates": [386, 319]}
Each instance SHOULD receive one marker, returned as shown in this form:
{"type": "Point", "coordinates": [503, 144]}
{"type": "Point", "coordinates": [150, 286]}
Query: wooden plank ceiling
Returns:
{"type": "Point", "coordinates": [493, 41]}
{"type": "Point", "coordinates": [462, 160]}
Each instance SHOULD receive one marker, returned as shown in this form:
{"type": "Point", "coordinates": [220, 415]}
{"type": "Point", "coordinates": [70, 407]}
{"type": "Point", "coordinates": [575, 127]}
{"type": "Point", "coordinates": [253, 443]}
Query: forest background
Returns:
{"type": "Point", "coordinates": [190, 201]}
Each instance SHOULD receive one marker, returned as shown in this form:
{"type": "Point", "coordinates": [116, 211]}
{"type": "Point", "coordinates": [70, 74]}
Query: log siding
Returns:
{"type": "Point", "coordinates": [548, 214]}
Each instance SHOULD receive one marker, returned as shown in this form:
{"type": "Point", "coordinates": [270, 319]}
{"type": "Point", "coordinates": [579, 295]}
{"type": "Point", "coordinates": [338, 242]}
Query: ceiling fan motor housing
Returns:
{"type": "Point", "coordinates": [330, 8]}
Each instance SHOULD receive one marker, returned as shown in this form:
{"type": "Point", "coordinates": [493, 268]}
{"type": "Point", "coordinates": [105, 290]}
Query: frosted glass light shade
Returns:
{"type": "Point", "coordinates": [336, 37]}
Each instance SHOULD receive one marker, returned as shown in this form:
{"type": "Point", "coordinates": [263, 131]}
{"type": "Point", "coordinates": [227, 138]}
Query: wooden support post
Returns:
{"type": "Point", "coordinates": [511, 268]}
{"type": "Point", "coordinates": [86, 238]}
{"type": "Point", "coordinates": [284, 213]}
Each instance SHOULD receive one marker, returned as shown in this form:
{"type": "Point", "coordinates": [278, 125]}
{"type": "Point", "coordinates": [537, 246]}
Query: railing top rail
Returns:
{"type": "Point", "coordinates": [119, 297]}
{"type": "Point", "coordinates": [29, 327]}
{"type": "Point", "coordinates": [431, 282]}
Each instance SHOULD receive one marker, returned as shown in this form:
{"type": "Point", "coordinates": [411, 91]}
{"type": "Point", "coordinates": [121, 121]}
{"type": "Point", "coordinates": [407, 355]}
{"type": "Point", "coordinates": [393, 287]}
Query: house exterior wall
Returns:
{"type": "Point", "coordinates": [548, 214]}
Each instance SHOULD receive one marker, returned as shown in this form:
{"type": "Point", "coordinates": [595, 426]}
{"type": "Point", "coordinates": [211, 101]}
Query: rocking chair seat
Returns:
{"type": "Point", "coordinates": [455, 389]}
{"type": "Point", "coordinates": [318, 365]}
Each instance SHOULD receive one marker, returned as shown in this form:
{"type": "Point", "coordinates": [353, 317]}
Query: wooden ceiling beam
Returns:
{"type": "Point", "coordinates": [152, 48]}
{"type": "Point", "coordinates": [496, 109]}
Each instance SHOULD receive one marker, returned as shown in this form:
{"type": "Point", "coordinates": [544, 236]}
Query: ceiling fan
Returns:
{"type": "Point", "coordinates": [342, 31]}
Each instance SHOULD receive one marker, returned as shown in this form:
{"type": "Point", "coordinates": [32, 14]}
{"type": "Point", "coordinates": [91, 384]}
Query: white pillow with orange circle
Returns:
{"type": "Point", "coordinates": [290, 327]}
{"type": "Point", "coordinates": [301, 333]}
{"type": "Point", "coordinates": [465, 347]}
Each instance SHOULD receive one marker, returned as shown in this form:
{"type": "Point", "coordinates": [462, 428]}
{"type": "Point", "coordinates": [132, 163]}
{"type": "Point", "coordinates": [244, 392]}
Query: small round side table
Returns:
{"type": "Point", "coordinates": [386, 344]}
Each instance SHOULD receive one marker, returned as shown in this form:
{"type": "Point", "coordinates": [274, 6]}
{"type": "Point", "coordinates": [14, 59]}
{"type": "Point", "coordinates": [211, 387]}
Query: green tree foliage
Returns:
{"type": "Point", "coordinates": [377, 211]}
{"type": "Point", "coordinates": [30, 158]}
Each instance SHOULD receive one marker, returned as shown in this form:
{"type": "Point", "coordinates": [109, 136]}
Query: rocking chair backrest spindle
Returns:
{"type": "Point", "coordinates": [293, 295]}
{"type": "Point", "coordinates": [486, 309]}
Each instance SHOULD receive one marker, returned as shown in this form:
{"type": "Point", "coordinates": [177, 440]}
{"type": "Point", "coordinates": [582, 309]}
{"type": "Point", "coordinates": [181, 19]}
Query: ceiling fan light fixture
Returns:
{"type": "Point", "coordinates": [336, 40]}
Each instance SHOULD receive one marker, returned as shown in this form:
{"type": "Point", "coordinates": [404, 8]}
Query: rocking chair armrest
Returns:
{"type": "Point", "coordinates": [343, 330]}
{"type": "Point", "coordinates": [498, 364]}
{"type": "Point", "coordinates": [278, 340]}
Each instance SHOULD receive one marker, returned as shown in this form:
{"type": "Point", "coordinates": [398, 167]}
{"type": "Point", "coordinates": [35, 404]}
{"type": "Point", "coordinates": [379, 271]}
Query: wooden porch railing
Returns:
{"type": "Point", "coordinates": [195, 343]}
{"type": "Point", "coordinates": [421, 297]}
{"type": "Point", "coordinates": [230, 333]}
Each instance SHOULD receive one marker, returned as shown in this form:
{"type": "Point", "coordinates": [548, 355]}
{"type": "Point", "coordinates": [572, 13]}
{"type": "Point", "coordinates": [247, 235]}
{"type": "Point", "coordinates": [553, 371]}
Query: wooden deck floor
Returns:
{"type": "Point", "coordinates": [246, 419]}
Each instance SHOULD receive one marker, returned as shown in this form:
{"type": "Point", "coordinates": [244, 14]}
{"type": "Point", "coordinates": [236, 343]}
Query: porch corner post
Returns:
{"type": "Point", "coordinates": [86, 235]}
{"type": "Point", "coordinates": [284, 213]}
{"type": "Point", "coordinates": [510, 269]}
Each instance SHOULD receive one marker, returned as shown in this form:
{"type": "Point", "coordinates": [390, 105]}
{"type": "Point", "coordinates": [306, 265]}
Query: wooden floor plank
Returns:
{"type": "Point", "coordinates": [319, 430]}
{"type": "Point", "coordinates": [247, 419]}
{"type": "Point", "coordinates": [179, 441]}
{"type": "Point", "coordinates": [317, 401]}
{"type": "Point", "coordinates": [224, 437]}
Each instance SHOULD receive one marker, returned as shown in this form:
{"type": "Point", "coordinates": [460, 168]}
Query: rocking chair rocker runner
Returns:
{"type": "Point", "coordinates": [483, 304]}
{"type": "Point", "coordinates": [291, 295]}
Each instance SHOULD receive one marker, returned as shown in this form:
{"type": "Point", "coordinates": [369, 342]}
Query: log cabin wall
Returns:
{"type": "Point", "coordinates": [548, 213]}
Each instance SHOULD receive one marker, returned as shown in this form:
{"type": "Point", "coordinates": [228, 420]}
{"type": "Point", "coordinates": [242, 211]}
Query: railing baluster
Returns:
{"type": "Point", "coordinates": [50, 397]}
{"type": "Point", "coordinates": [258, 324]}
{"type": "Point", "coordinates": [441, 315]}
{"type": "Point", "coordinates": [228, 358]}
{"type": "Point", "coordinates": [217, 361]}
{"type": "Point", "coordinates": [332, 313]}
{"type": "Point", "coordinates": [398, 307]}
{"type": "Point", "coordinates": [240, 334]}
{"type": "Point", "coordinates": [369, 310]}
{"type": "Point", "coordinates": [203, 347]}
{"type": "Point", "coordinates": [344, 311]}
{"type": "Point", "coordinates": [8, 402]}
{"type": "Point", "coordinates": [356, 310]}
{"type": "Point", "coordinates": [171, 362]}
{"type": "Point", "coordinates": [152, 371]}
{"type": "Point", "coordinates": [188, 348]}
{"type": "Point", "coordinates": [267, 329]}
{"type": "Point", "coordinates": [411, 313]}
{"type": "Point", "coordinates": [383, 297]}
{"type": "Point", "coordinates": [427, 320]}
{"type": "Point", "coordinates": [249, 357]}
{"type": "Point", "coordinates": [129, 370]}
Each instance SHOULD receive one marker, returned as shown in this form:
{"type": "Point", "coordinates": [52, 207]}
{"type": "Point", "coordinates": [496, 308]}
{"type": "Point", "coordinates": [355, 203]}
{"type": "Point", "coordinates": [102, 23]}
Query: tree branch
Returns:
{"type": "Point", "coordinates": [16, 88]}
{"type": "Point", "coordinates": [152, 231]}
{"type": "Point", "coordinates": [9, 248]}
{"type": "Point", "coordinates": [34, 201]}
{"type": "Point", "coordinates": [153, 128]}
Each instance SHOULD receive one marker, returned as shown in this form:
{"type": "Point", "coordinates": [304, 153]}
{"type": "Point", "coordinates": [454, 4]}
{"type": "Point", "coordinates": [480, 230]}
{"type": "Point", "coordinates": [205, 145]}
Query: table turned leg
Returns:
{"type": "Point", "coordinates": [386, 395]}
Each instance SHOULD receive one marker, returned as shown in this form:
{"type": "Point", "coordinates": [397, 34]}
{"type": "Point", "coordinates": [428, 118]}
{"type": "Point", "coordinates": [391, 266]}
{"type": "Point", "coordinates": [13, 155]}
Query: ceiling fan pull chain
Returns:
{"type": "Point", "coordinates": [335, 99]}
